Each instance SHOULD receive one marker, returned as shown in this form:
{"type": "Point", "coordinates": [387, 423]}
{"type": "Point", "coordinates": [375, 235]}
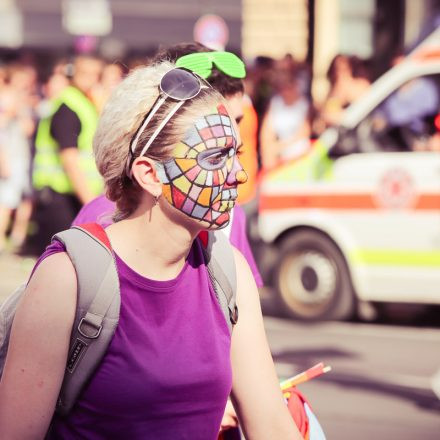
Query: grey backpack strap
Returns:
{"type": "Point", "coordinates": [222, 271]}
{"type": "Point", "coordinates": [97, 310]}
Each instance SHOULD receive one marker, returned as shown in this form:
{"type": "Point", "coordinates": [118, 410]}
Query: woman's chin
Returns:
{"type": "Point", "coordinates": [221, 222]}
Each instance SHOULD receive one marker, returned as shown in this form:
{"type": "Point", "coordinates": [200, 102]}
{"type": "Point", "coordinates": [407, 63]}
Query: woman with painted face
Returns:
{"type": "Point", "coordinates": [167, 149]}
{"type": "Point", "coordinates": [228, 81]}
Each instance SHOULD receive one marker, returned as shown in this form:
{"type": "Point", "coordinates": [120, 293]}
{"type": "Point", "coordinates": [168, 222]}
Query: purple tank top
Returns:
{"type": "Point", "coordinates": [167, 373]}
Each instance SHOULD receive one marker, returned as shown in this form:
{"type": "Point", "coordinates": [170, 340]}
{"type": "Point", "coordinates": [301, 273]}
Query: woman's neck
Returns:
{"type": "Point", "coordinates": [151, 244]}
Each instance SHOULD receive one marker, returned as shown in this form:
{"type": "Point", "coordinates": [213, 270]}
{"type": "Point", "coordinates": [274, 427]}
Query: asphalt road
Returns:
{"type": "Point", "coordinates": [380, 383]}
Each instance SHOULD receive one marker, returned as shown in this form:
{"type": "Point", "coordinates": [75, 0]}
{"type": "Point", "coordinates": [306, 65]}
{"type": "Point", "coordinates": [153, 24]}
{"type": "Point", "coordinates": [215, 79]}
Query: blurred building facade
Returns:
{"type": "Point", "coordinates": [274, 28]}
{"type": "Point", "coordinates": [311, 30]}
{"type": "Point", "coordinates": [136, 26]}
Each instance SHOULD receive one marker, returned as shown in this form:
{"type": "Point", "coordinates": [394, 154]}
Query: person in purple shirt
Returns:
{"type": "Point", "coordinates": [101, 209]}
{"type": "Point", "coordinates": [167, 148]}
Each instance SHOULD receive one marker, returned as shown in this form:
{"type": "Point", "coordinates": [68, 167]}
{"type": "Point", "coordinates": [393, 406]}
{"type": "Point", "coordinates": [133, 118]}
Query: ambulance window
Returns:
{"type": "Point", "coordinates": [407, 120]}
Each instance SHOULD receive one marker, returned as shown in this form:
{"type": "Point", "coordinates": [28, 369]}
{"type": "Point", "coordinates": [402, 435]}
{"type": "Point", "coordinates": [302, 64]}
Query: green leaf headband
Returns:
{"type": "Point", "coordinates": [202, 63]}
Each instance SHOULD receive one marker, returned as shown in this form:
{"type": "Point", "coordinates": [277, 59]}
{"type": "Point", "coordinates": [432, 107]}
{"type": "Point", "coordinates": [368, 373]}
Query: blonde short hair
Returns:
{"type": "Point", "coordinates": [121, 117]}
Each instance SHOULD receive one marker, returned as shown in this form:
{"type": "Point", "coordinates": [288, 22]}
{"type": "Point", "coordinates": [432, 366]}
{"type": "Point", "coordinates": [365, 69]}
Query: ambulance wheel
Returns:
{"type": "Point", "coordinates": [312, 278]}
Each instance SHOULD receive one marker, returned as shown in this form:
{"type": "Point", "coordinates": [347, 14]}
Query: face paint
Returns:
{"type": "Point", "coordinates": [202, 177]}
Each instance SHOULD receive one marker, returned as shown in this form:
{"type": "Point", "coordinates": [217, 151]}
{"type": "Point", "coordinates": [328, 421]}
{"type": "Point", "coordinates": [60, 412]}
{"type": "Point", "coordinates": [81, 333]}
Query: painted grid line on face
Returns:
{"type": "Point", "coordinates": [196, 190]}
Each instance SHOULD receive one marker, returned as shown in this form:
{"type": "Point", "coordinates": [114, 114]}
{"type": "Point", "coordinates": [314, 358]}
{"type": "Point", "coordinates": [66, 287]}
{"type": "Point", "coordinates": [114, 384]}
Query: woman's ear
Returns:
{"type": "Point", "coordinates": [145, 173]}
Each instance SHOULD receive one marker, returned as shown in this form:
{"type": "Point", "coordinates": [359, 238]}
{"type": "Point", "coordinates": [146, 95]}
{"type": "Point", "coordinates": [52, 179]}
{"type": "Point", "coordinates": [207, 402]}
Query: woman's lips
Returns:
{"type": "Point", "coordinates": [226, 200]}
{"type": "Point", "coordinates": [229, 194]}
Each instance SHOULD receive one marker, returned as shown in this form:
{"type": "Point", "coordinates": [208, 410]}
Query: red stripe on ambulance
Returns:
{"type": "Point", "coordinates": [340, 201]}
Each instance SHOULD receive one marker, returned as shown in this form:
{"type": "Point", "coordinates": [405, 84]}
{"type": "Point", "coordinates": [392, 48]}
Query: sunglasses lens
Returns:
{"type": "Point", "coordinates": [180, 84]}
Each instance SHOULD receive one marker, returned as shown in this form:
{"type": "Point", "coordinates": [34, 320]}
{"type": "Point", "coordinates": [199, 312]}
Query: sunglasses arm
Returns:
{"type": "Point", "coordinates": [141, 129]}
{"type": "Point", "coordinates": [146, 122]}
{"type": "Point", "coordinates": [160, 127]}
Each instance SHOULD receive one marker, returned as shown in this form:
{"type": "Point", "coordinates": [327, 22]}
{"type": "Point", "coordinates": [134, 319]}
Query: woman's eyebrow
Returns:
{"type": "Point", "coordinates": [228, 147]}
{"type": "Point", "coordinates": [225, 150]}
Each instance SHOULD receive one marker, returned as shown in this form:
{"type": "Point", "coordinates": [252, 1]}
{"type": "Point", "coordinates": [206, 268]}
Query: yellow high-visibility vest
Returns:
{"type": "Point", "coordinates": [48, 170]}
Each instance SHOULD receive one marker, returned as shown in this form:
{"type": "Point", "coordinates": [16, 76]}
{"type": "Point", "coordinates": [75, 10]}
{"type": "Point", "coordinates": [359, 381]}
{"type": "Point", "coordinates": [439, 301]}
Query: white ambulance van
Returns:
{"type": "Point", "coordinates": [358, 218]}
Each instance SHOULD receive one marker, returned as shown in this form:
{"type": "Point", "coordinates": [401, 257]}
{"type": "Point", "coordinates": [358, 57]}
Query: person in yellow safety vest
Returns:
{"type": "Point", "coordinates": [64, 171]}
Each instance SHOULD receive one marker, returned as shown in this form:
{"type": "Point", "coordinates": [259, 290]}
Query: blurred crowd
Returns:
{"type": "Point", "coordinates": [289, 119]}
{"type": "Point", "coordinates": [28, 96]}
{"type": "Point", "coordinates": [279, 124]}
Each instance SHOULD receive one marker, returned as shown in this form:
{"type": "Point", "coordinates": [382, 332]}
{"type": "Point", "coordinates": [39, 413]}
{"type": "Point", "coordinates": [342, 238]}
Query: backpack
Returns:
{"type": "Point", "coordinates": [98, 303]}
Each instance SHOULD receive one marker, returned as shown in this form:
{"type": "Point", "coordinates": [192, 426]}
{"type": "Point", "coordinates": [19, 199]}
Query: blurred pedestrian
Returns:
{"type": "Point", "coordinates": [301, 70]}
{"type": "Point", "coordinates": [64, 172]}
{"type": "Point", "coordinates": [16, 128]}
{"type": "Point", "coordinates": [259, 83]}
{"type": "Point", "coordinates": [285, 130]}
{"type": "Point", "coordinates": [172, 361]}
{"type": "Point", "coordinates": [407, 116]}
{"type": "Point", "coordinates": [231, 87]}
{"type": "Point", "coordinates": [112, 74]}
{"type": "Point", "coordinates": [349, 79]}
{"type": "Point", "coordinates": [406, 120]}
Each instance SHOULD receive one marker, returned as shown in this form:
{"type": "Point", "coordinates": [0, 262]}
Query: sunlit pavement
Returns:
{"type": "Point", "coordinates": [380, 383]}
{"type": "Point", "coordinates": [14, 270]}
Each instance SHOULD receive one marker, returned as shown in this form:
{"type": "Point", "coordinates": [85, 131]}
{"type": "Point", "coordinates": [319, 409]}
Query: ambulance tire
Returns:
{"type": "Point", "coordinates": [312, 279]}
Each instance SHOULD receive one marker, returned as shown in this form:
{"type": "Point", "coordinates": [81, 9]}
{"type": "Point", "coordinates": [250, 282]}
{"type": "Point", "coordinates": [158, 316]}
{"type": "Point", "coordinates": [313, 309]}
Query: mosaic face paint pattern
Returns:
{"type": "Point", "coordinates": [202, 177]}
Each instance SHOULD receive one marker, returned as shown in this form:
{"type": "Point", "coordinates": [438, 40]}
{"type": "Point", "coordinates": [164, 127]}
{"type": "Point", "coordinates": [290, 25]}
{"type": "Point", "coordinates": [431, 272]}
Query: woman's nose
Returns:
{"type": "Point", "coordinates": [237, 175]}
{"type": "Point", "coordinates": [241, 176]}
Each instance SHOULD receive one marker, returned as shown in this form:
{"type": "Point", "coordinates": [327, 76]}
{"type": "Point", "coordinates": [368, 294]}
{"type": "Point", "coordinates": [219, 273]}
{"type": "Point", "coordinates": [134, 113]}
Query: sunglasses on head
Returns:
{"type": "Point", "coordinates": [203, 62]}
{"type": "Point", "coordinates": [178, 84]}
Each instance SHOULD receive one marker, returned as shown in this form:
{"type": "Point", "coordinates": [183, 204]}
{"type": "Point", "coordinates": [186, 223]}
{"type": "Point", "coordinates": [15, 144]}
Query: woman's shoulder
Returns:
{"type": "Point", "coordinates": [55, 248]}
{"type": "Point", "coordinates": [56, 266]}
{"type": "Point", "coordinates": [52, 290]}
